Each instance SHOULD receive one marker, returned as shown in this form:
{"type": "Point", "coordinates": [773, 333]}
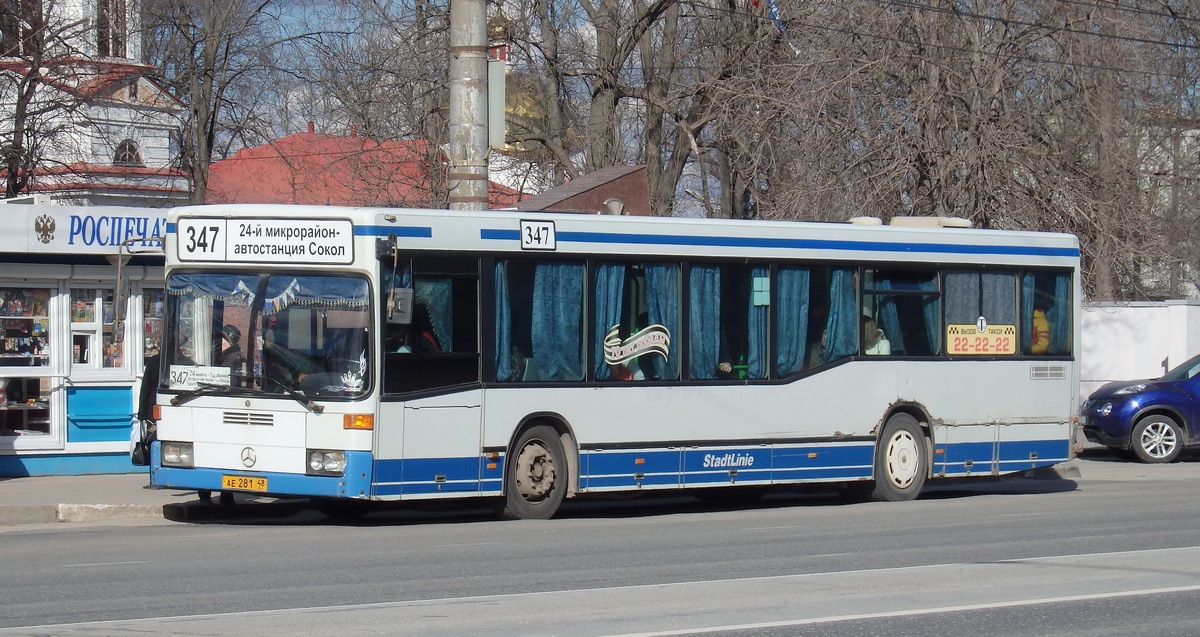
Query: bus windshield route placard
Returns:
{"type": "Point", "coordinates": [993, 340]}
{"type": "Point", "coordinates": [263, 240]}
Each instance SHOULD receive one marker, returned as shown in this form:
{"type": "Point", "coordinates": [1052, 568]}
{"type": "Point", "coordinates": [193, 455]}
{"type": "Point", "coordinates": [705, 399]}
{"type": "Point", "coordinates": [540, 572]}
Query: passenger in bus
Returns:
{"type": "Point", "coordinates": [1039, 339]}
{"type": "Point", "coordinates": [231, 352]}
{"type": "Point", "coordinates": [627, 371]}
{"type": "Point", "coordinates": [418, 336]}
{"type": "Point", "coordinates": [875, 343]}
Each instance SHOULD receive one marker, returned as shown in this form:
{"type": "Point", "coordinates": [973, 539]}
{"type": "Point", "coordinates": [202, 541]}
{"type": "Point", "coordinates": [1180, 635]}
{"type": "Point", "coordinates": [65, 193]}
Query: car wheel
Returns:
{"type": "Point", "coordinates": [1157, 439]}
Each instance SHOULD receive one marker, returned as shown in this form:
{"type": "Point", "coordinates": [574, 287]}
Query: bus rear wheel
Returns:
{"type": "Point", "coordinates": [535, 481]}
{"type": "Point", "coordinates": [901, 460]}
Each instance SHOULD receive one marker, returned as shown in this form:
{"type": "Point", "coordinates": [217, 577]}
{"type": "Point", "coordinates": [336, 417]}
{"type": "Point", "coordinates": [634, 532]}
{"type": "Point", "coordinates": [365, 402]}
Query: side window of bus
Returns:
{"type": "Point", "coordinates": [636, 320]}
{"type": "Point", "coordinates": [439, 346]}
{"type": "Point", "coordinates": [1046, 314]}
{"type": "Point", "coordinates": [727, 311]}
{"type": "Point", "coordinates": [984, 299]}
{"type": "Point", "coordinates": [806, 315]}
{"type": "Point", "coordinates": [539, 320]}
{"type": "Point", "coordinates": [901, 313]}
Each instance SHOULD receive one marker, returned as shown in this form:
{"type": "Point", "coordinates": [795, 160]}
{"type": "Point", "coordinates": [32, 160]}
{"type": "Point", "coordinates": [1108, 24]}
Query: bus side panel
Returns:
{"type": "Point", "coordinates": [1023, 447]}
{"type": "Point", "coordinates": [964, 450]}
{"type": "Point", "coordinates": [439, 448]}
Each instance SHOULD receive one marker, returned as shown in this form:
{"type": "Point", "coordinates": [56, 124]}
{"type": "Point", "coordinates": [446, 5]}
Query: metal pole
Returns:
{"type": "Point", "coordinates": [468, 105]}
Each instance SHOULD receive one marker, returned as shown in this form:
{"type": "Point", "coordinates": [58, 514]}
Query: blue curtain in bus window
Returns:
{"type": "Point", "coordinates": [434, 296]}
{"type": "Point", "coordinates": [841, 328]}
{"type": "Point", "coordinates": [791, 319]}
{"type": "Point", "coordinates": [888, 316]}
{"type": "Point", "coordinates": [610, 290]}
{"type": "Point", "coordinates": [557, 325]}
{"type": "Point", "coordinates": [1028, 289]}
{"type": "Point", "coordinates": [504, 370]}
{"type": "Point", "coordinates": [662, 300]}
{"type": "Point", "coordinates": [221, 286]}
{"type": "Point", "coordinates": [704, 337]}
{"type": "Point", "coordinates": [933, 320]}
{"type": "Point", "coordinates": [756, 324]}
{"type": "Point", "coordinates": [1059, 316]}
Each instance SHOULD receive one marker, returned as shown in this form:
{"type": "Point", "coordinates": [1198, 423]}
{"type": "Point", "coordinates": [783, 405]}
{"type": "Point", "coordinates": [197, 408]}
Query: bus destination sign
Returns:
{"type": "Point", "coordinates": [981, 339]}
{"type": "Point", "coordinates": [261, 240]}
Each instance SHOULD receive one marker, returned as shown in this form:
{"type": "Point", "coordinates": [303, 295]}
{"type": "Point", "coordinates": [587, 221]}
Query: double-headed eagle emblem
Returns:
{"type": "Point", "coordinates": [44, 227]}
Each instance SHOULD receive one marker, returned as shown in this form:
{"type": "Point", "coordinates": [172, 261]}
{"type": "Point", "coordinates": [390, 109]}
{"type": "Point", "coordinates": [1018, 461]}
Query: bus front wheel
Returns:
{"type": "Point", "coordinates": [901, 460]}
{"type": "Point", "coordinates": [535, 481]}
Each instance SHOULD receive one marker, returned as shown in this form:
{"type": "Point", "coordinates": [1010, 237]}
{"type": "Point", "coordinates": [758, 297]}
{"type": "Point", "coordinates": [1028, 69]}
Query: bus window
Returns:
{"type": "Point", "coordinates": [904, 307]}
{"type": "Point", "coordinates": [539, 320]}
{"type": "Point", "coordinates": [1046, 324]}
{"type": "Point", "coordinates": [840, 336]}
{"type": "Point", "coordinates": [636, 319]}
{"type": "Point", "coordinates": [439, 345]}
{"type": "Point", "coordinates": [981, 313]}
{"type": "Point", "coordinates": [803, 300]}
{"type": "Point", "coordinates": [728, 334]}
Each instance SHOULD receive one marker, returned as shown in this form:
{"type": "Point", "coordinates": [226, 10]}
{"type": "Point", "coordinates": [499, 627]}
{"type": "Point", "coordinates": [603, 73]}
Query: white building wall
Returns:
{"type": "Point", "coordinates": [1130, 341]}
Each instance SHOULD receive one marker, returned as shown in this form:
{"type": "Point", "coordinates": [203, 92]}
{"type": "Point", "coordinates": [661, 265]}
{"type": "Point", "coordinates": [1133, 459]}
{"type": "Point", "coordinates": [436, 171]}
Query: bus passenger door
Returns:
{"type": "Point", "coordinates": [442, 442]}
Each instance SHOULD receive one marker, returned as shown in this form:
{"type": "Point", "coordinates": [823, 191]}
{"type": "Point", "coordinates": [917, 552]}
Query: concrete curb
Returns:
{"type": "Point", "coordinates": [182, 512]}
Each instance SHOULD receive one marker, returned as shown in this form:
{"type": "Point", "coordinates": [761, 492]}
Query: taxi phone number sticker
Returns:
{"type": "Point", "coordinates": [993, 340]}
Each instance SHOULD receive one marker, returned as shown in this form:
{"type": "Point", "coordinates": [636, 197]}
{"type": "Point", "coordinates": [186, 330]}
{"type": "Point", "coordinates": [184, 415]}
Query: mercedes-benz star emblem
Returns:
{"type": "Point", "coordinates": [249, 457]}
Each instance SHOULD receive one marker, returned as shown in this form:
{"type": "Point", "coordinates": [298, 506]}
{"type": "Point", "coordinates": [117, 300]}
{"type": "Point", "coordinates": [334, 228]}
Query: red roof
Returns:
{"type": "Point", "coordinates": [310, 168]}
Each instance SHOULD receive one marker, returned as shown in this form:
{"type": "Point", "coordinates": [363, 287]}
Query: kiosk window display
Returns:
{"type": "Point", "coordinates": [24, 342]}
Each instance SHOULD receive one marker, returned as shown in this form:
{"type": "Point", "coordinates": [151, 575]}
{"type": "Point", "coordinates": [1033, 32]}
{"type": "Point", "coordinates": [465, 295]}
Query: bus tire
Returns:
{"type": "Point", "coordinates": [535, 481]}
{"type": "Point", "coordinates": [901, 460]}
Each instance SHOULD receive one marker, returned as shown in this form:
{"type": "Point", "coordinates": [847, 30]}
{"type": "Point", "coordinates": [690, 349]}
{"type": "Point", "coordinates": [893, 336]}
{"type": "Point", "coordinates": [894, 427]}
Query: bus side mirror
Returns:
{"type": "Point", "coordinates": [400, 306]}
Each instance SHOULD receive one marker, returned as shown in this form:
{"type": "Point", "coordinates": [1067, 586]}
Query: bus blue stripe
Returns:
{"type": "Point", "coordinates": [498, 234]}
{"type": "Point", "coordinates": [421, 232]}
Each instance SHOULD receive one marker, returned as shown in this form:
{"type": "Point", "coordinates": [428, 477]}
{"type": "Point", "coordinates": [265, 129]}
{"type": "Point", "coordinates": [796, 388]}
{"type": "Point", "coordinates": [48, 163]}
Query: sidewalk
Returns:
{"type": "Point", "coordinates": [92, 498]}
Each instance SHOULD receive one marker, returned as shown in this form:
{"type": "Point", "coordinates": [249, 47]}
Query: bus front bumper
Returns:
{"type": "Point", "coordinates": [355, 482]}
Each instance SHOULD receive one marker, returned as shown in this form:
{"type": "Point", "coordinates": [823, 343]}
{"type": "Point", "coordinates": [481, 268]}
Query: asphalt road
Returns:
{"type": "Point", "coordinates": [1115, 551]}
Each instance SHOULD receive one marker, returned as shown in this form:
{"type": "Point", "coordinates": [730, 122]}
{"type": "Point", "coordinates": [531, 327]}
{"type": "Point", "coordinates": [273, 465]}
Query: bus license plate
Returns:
{"type": "Point", "coordinates": [244, 483]}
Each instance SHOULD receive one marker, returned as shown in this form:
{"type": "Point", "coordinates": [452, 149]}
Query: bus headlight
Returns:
{"type": "Point", "coordinates": [177, 454]}
{"type": "Point", "coordinates": [326, 463]}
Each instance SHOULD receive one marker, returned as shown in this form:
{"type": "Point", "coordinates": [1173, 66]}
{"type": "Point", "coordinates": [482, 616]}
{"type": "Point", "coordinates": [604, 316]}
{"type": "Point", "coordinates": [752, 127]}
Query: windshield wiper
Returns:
{"type": "Point", "coordinates": [299, 397]}
{"type": "Point", "coordinates": [202, 389]}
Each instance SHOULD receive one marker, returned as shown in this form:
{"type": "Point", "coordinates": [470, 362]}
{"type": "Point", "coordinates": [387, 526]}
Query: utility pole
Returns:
{"type": "Point", "coordinates": [468, 105]}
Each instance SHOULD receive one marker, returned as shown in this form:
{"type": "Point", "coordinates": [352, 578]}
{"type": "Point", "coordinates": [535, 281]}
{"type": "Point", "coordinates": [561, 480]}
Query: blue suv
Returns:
{"type": "Point", "coordinates": [1152, 420]}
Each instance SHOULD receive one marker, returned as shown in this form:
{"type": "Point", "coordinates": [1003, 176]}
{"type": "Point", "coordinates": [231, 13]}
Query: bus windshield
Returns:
{"type": "Point", "coordinates": [268, 333]}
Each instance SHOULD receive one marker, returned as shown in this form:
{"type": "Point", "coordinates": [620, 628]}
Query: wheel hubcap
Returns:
{"type": "Point", "coordinates": [1158, 440]}
{"type": "Point", "coordinates": [903, 459]}
{"type": "Point", "coordinates": [535, 471]}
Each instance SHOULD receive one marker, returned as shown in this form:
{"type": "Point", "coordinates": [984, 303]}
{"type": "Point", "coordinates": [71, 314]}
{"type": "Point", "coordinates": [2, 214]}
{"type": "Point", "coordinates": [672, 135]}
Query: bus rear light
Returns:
{"type": "Point", "coordinates": [177, 454]}
{"type": "Point", "coordinates": [156, 413]}
{"type": "Point", "coordinates": [358, 421]}
{"type": "Point", "coordinates": [326, 463]}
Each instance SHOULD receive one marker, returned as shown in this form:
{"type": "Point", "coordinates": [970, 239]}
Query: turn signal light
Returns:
{"type": "Point", "coordinates": [358, 421]}
{"type": "Point", "coordinates": [156, 413]}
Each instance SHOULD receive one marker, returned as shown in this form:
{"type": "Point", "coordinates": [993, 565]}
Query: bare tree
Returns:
{"type": "Point", "coordinates": [39, 58]}
{"type": "Point", "coordinates": [216, 56]}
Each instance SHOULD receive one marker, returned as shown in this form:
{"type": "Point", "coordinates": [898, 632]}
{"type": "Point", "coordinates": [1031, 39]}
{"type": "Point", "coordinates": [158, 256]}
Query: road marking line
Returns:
{"type": "Point", "coordinates": [106, 563]}
{"type": "Point", "coordinates": [635, 587]}
{"type": "Point", "coordinates": [919, 611]}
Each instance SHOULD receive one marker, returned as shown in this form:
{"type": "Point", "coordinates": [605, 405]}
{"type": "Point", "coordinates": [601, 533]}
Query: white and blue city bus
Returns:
{"type": "Point", "coordinates": [354, 355]}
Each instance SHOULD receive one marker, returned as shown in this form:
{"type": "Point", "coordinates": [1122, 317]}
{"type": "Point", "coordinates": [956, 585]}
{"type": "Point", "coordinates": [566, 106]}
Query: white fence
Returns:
{"type": "Point", "coordinates": [1129, 341]}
